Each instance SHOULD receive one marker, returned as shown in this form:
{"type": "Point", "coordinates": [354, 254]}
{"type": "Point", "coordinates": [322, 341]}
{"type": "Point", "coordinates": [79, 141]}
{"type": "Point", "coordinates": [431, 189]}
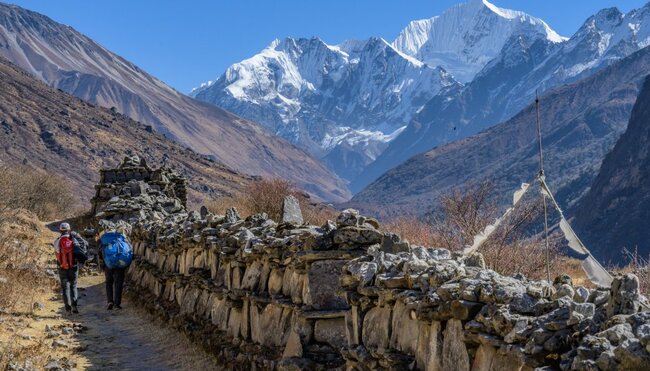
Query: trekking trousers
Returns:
{"type": "Point", "coordinates": [69, 286]}
{"type": "Point", "coordinates": [114, 285]}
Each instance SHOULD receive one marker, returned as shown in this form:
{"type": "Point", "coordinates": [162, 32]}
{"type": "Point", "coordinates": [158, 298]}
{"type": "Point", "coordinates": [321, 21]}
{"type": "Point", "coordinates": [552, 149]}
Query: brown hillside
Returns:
{"type": "Point", "coordinates": [49, 129]}
{"type": "Point", "coordinates": [69, 60]}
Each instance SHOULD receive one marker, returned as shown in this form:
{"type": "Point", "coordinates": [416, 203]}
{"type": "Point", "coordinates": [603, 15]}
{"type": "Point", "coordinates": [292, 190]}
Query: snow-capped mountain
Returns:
{"type": "Point", "coordinates": [508, 83]}
{"type": "Point", "coordinates": [467, 36]}
{"type": "Point", "coordinates": [343, 103]}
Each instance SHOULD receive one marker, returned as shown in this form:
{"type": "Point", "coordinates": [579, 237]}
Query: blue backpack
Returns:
{"type": "Point", "coordinates": [117, 251]}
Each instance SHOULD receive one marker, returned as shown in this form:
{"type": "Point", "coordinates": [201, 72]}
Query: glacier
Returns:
{"type": "Point", "coordinates": [358, 93]}
{"type": "Point", "coordinates": [467, 36]}
{"type": "Point", "coordinates": [346, 103]}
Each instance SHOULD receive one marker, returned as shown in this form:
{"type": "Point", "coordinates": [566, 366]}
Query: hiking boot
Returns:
{"type": "Point", "coordinates": [75, 310]}
{"type": "Point", "coordinates": [109, 306]}
{"type": "Point", "coordinates": [68, 309]}
{"type": "Point", "coordinates": [118, 307]}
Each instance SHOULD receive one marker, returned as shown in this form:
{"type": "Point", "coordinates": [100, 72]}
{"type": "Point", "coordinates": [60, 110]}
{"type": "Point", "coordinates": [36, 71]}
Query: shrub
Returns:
{"type": "Point", "coordinates": [414, 230]}
{"type": "Point", "coordinates": [46, 195]}
{"type": "Point", "coordinates": [27, 196]}
{"type": "Point", "coordinates": [466, 212]}
{"type": "Point", "coordinates": [267, 196]}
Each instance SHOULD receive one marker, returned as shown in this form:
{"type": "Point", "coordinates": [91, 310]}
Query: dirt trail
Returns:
{"type": "Point", "coordinates": [129, 339]}
{"type": "Point", "coordinates": [36, 334]}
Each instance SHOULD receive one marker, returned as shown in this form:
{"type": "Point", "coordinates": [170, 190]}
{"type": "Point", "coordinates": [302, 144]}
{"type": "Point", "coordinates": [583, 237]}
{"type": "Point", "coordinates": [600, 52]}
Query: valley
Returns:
{"type": "Point", "coordinates": [463, 191]}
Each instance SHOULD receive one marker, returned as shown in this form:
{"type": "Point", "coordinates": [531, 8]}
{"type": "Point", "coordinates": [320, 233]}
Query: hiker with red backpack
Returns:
{"type": "Point", "coordinates": [71, 251]}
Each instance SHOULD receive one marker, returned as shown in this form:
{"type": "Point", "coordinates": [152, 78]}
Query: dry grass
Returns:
{"type": "Point", "coordinates": [14, 352]}
{"type": "Point", "coordinates": [637, 264]}
{"type": "Point", "coordinates": [24, 253]}
{"type": "Point", "coordinates": [25, 250]}
{"type": "Point", "coordinates": [414, 230]}
{"type": "Point", "coordinates": [513, 248]}
{"type": "Point", "coordinates": [27, 196]}
{"type": "Point", "coordinates": [266, 196]}
{"type": "Point", "coordinates": [22, 261]}
{"type": "Point", "coordinates": [44, 194]}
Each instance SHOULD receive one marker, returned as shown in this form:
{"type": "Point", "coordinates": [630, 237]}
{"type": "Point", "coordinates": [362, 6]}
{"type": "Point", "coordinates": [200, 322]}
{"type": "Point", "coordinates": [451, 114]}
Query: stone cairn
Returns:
{"type": "Point", "coordinates": [289, 296]}
{"type": "Point", "coordinates": [135, 192]}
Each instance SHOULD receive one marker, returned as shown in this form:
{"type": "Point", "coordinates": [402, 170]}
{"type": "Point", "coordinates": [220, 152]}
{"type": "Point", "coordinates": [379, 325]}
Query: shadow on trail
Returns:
{"type": "Point", "coordinates": [129, 339]}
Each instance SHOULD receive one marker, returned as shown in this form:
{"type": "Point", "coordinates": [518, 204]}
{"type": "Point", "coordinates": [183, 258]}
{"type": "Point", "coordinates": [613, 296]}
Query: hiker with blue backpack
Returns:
{"type": "Point", "coordinates": [71, 251]}
{"type": "Point", "coordinates": [115, 256]}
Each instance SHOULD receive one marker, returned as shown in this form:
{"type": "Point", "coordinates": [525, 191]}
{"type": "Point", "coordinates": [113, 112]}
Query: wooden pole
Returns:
{"type": "Point", "coordinates": [541, 176]}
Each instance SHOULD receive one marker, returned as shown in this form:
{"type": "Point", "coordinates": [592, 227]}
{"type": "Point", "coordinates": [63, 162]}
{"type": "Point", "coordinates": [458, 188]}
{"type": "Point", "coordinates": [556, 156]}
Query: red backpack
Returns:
{"type": "Point", "coordinates": [65, 256]}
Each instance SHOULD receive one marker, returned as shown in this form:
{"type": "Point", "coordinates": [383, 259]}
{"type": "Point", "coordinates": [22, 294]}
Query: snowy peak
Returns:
{"type": "Point", "coordinates": [606, 18]}
{"type": "Point", "coordinates": [342, 101]}
{"type": "Point", "coordinates": [467, 36]}
{"type": "Point", "coordinates": [608, 36]}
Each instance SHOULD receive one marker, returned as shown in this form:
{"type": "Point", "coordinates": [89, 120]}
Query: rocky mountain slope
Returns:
{"type": "Point", "coordinates": [345, 103]}
{"type": "Point", "coordinates": [508, 83]}
{"type": "Point", "coordinates": [467, 36]}
{"type": "Point", "coordinates": [580, 124]}
{"type": "Point", "coordinates": [68, 60]}
{"type": "Point", "coordinates": [614, 214]}
{"type": "Point", "coordinates": [49, 129]}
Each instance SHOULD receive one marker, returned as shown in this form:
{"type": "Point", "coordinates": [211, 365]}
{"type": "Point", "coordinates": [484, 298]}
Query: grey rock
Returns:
{"type": "Point", "coordinates": [581, 295]}
{"type": "Point", "coordinates": [558, 342]}
{"type": "Point", "coordinates": [599, 297]}
{"type": "Point", "coordinates": [67, 331]}
{"type": "Point", "coordinates": [232, 216]}
{"type": "Point", "coordinates": [331, 331]}
{"type": "Point", "coordinates": [59, 344]}
{"type": "Point", "coordinates": [362, 272]}
{"type": "Point", "coordinates": [53, 366]}
{"type": "Point", "coordinates": [617, 333]}
{"type": "Point", "coordinates": [625, 295]}
{"type": "Point", "coordinates": [291, 210]}
{"type": "Point", "coordinates": [352, 236]}
{"type": "Point", "coordinates": [631, 355]}
{"type": "Point", "coordinates": [643, 334]}
{"type": "Point", "coordinates": [323, 283]}
{"type": "Point", "coordinates": [348, 218]}
{"type": "Point", "coordinates": [376, 328]}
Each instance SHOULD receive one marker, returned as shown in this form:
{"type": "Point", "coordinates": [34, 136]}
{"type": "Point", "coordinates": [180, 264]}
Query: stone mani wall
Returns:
{"type": "Point", "coordinates": [256, 282]}
{"type": "Point", "coordinates": [345, 296]}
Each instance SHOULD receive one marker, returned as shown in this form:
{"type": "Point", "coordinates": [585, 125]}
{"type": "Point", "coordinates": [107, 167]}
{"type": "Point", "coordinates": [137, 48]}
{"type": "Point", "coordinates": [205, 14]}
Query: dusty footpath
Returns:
{"type": "Point", "coordinates": [95, 339]}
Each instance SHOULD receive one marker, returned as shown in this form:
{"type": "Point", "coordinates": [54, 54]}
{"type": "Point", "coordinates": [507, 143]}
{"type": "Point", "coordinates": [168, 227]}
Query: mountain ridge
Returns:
{"type": "Point", "coordinates": [354, 95]}
{"type": "Point", "coordinates": [49, 129]}
{"type": "Point", "coordinates": [509, 83]}
{"type": "Point", "coordinates": [71, 61]}
{"type": "Point", "coordinates": [614, 213]}
{"type": "Point", "coordinates": [580, 124]}
{"type": "Point", "coordinates": [469, 22]}
{"type": "Point", "coordinates": [381, 93]}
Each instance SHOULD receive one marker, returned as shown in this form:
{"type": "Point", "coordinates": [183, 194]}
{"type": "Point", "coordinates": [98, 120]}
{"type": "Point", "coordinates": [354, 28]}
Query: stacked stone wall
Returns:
{"type": "Point", "coordinates": [267, 295]}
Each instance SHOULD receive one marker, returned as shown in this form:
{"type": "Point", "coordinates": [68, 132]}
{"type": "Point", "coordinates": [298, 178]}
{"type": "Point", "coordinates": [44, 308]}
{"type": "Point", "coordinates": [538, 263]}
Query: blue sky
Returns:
{"type": "Point", "coordinates": [186, 43]}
